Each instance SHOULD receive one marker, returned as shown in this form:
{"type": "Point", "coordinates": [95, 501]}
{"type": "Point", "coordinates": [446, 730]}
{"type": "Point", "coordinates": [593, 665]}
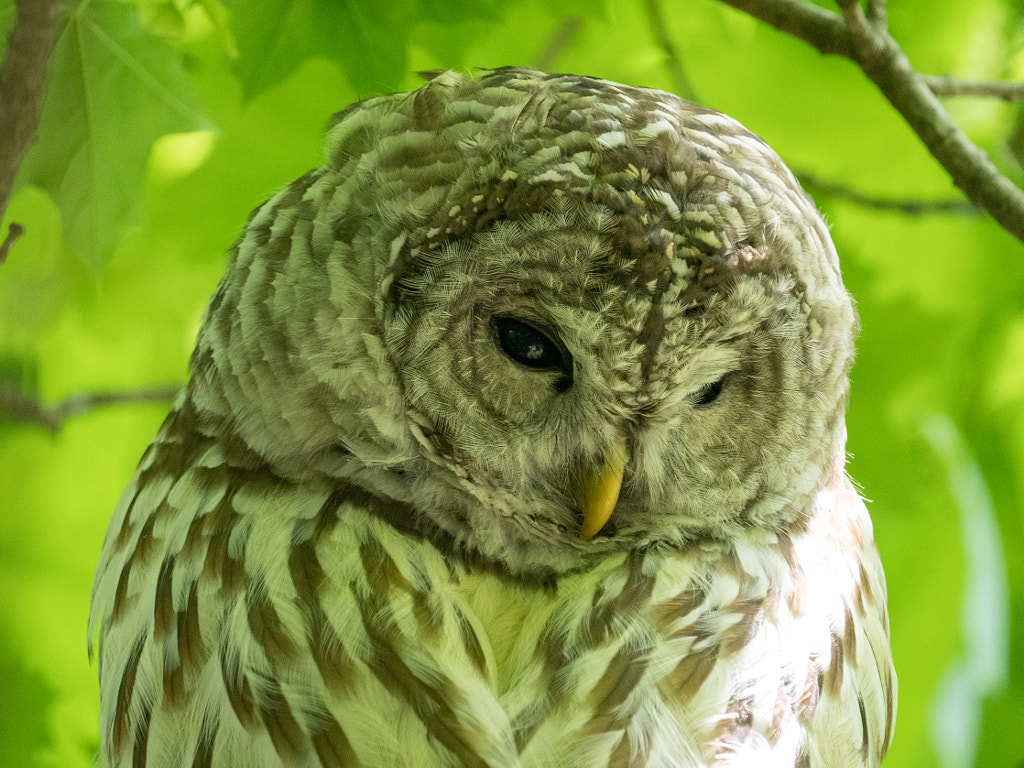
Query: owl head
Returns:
{"type": "Point", "coordinates": [539, 319]}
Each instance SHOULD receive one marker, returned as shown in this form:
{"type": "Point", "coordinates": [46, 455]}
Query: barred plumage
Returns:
{"type": "Point", "coordinates": [514, 437]}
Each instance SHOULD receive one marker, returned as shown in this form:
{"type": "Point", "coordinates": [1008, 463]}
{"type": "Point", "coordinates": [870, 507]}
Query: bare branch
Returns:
{"type": "Point", "coordinates": [559, 41]}
{"type": "Point", "coordinates": [952, 86]}
{"type": "Point", "coordinates": [888, 67]}
{"type": "Point", "coordinates": [681, 82]}
{"type": "Point", "coordinates": [17, 406]}
{"type": "Point", "coordinates": [22, 78]}
{"type": "Point", "coordinates": [911, 207]}
{"type": "Point", "coordinates": [878, 14]}
{"type": "Point", "coordinates": [866, 42]}
{"type": "Point", "coordinates": [822, 29]}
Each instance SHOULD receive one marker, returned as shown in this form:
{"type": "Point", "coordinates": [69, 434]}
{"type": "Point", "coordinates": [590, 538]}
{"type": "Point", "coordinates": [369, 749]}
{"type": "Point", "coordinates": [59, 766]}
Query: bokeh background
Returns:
{"type": "Point", "coordinates": [167, 121]}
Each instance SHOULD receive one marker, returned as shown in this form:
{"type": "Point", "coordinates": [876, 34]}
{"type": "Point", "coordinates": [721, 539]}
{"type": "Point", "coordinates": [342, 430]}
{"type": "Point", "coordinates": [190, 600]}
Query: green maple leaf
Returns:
{"type": "Point", "coordinates": [366, 38]}
{"type": "Point", "coordinates": [113, 89]}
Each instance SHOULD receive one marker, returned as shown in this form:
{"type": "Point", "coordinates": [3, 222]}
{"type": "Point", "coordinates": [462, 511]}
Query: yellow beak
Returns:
{"type": "Point", "coordinates": [597, 490]}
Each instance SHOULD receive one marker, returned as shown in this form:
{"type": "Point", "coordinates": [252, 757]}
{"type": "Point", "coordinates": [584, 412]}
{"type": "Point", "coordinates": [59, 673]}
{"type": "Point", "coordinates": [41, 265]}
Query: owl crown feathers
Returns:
{"type": "Point", "coordinates": [680, 180]}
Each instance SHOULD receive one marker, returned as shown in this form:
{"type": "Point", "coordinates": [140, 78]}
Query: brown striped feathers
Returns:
{"type": "Point", "coordinates": [514, 439]}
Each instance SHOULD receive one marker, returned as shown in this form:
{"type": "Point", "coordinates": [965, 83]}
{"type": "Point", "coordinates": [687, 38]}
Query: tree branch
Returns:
{"type": "Point", "coordinates": [17, 406]}
{"type": "Point", "coordinates": [910, 207]}
{"type": "Point", "coordinates": [952, 86]}
{"type": "Point", "coordinates": [823, 29]}
{"type": "Point", "coordinates": [22, 78]}
{"type": "Point", "coordinates": [865, 41]}
{"type": "Point", "coordinates": [878, 14]}
{"type": "Point", "coordinates": [888, 67]}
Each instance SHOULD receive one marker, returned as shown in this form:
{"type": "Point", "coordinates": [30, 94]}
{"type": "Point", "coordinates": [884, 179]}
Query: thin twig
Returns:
{"type": "Point", "coordinates": [17, 406]}
{"type": "Point", "coordinates": [910, 207]}
{"type": "Point", "coordinates": [559, 41]}
{"type": "Point", "coordinates": [867, 43]}
{"type": "Point", "coordinates": [878, 14]}
{"type": "Point", "coordinates": [22, 78]}
{"type": "Point", "coordinates": [681, 83]}
{"type": "Point", "coordinates": [14, 231]}
{"type": "Point", "coordinates": [990, 89]}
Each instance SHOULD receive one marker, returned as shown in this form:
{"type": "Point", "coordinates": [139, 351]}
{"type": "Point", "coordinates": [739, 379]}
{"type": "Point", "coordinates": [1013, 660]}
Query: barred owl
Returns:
{"type": "Point", "coordinates": [514, 437]}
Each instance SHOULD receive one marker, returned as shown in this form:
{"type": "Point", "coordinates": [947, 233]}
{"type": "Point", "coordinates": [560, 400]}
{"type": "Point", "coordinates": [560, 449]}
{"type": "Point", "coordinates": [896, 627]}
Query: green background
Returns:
{"type": "Point", "coordinates": [167, 122]}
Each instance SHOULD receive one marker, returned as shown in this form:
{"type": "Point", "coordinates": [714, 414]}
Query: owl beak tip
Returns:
{"type": "Point", "coordinates": [598, 490]}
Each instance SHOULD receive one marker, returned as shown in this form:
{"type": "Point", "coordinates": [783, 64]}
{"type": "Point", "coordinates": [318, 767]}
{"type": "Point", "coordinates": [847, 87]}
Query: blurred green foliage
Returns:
{"type": "Point", "coordinates": [166, 121]}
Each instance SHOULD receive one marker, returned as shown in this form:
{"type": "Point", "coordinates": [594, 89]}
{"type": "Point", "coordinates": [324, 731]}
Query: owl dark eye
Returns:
{"type": "Point", "coordinates": [534, 348]}
{"type": "Point", "coordinates": [709, 393]}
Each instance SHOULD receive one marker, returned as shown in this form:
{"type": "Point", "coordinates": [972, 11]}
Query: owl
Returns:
{"type": "Point", "coordinates": [514, 438]}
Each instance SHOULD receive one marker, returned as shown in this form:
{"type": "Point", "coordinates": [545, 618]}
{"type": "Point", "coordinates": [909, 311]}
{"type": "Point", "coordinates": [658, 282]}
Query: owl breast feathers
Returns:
{"type": "Point", "coordinates": [514, 437]}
